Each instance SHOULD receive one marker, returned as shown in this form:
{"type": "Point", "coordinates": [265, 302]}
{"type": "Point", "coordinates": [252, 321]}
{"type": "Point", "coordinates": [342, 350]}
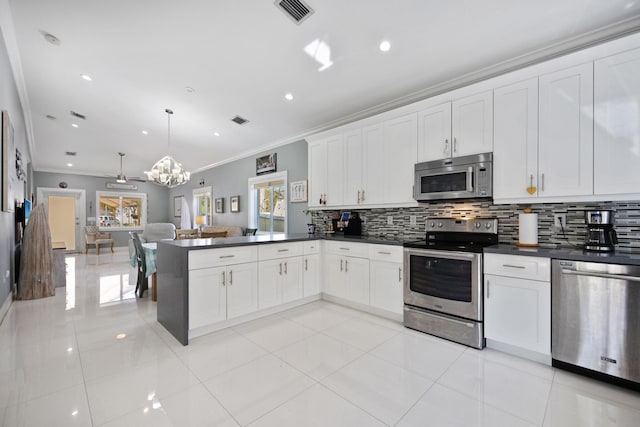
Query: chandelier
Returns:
{"type": "Point", "coordinates": [168, 171]}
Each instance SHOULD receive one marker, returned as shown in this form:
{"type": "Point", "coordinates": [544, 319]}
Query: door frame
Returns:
{"type": "Point", "coordinates": [43, 194]}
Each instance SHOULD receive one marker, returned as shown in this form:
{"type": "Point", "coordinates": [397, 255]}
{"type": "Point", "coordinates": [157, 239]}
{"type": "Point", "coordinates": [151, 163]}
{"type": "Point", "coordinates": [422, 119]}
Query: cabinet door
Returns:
{"type": "Point", "coordinates": [334, 283]}
{"type": "Point", "coordinates": [565, 148]}
{"type": "Point", "coordinates": [311, 275]}
{"type": "Point", "coordinates": [472, 124]}
{"type": "Point", "coordinates": [434, 133]}
{"type": "Point", "coordinates": [353, 149]}
{"type": "Point", "coordinates": [373, 163]}
{"type": "Point", "coordinates": [617, 133]}
{"type": "Point", "coordinates": [242, 289]}
{"type": "Point", "coordinates": [518, 312]}
{"type": "Point", "coordinates": [515, 144]}
{"type": "Point", "coordinates": [292, 279]}
{"type": "Point", "coordinates": [269, 283]}
{"type": "Point", "coordinates": [317, 172]}
{"type": "Point", "coordinates": [335, 171]}
{"type": "Point", "coordinates": [386, 286]}
{"type": "Point", "coordinates": [400, 147]}
{"type": "Point", "coordinates": [357, 279]}
{"type": "Point", "coordinates": [207, 297]}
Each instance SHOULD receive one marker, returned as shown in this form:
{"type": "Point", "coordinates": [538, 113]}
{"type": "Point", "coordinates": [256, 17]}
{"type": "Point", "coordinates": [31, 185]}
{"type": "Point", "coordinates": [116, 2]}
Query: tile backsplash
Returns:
{"type": "Point", "coordinates": [376, 221]}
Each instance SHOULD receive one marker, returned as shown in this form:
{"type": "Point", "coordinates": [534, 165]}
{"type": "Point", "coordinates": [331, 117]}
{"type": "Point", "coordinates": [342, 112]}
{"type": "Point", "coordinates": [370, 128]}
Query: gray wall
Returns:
{"type": "Point", "coordinates": [10, 102]}
{"type": "Point", "coordinates": [231, 179]}
{"type": "Point", "coordinates": [157, 197]}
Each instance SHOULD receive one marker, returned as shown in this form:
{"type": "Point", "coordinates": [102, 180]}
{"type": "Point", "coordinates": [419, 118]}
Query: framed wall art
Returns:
{"type": "Point", "coordinates": [298, 191]}
{"type": "Point", "coordinates": [266, 164]}
{"type": "Point", "coordinates": [8, 163]}
{"type": "Point", "coordinates": [177, 206]}
{"type": "Point", "coordinates": [220, 205]}
{"type": "Point", "coordinates": [234, 201]}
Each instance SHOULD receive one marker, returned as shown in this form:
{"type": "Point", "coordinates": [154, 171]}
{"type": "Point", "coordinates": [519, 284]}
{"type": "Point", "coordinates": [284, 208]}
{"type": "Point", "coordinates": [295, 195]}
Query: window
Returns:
{"type": "Point", "coordinates": [268, 203]}
{"type": "Point", "coordinates": [202, 205]}
{"type": "Point", "coordinates": [121, 210]}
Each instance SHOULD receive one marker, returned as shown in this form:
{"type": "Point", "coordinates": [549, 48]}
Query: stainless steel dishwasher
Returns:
{"type": "Point", "coordinates": [595, 318]}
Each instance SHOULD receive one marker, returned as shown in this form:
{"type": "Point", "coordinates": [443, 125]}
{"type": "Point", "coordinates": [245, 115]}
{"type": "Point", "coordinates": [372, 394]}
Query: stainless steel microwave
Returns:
{"type": "Point", "coordinates": [466, 177]}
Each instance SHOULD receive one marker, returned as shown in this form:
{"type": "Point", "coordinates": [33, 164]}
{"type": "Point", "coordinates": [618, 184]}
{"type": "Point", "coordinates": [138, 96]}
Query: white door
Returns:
{"type": "Point", "coordinates": [565, 147]}
{"type": "Point", "coordinates": [515, 144]}
{"type": "Point", "coordinates": [207, 297]}
{"type": "Point", "coordinates": [79, 216]}
{"type": "Point", "coordinates": [472, 124]}
{"type": "Point", "coordinates": [434, 133]}
{"type": "Point", "coordinates": [317, 172]}
{"type": "Point", "coordinates": [334, 284]}
{"type": "Point", "coordinates": [373, 165]}
{"type": "Point", "coordinates": [242, 289]}
{"type": "Point", "coordinates": [292, 279]}
{"type": "Point", "coordinates": [335, 171]}
{"type": "Point", "coordinates": [616, 124]}
{"type": "Point", "coordinates": [400, 145]}
{"type": "Point", "coordinates": [311, 272]}
{"type": "Point", "coordinates": [269, 283]}
{"type": "Point", "coordinates": [386, 286]}
{"type": "Point", "coordinates": [353, 149]}
{"type": "Point", "coordinates": [357, 279]}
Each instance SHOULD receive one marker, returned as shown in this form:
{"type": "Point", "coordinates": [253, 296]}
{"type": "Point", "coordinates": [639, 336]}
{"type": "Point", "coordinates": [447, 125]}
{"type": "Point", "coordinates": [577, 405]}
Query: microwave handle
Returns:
{"type": "Point", "coordinates": [470, 179]}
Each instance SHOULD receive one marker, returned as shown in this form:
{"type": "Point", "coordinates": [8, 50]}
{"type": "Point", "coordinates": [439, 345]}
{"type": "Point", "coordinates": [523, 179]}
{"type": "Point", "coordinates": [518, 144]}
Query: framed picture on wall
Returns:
{"type": "Point", "coordinates": [8, 163]}
{"type": "Point", "coordinates": [220, 205]}
{"type": "Point", "coordinates": [266, 164]}
{"type": "Point", "coordinates": [298, 191]}
{"type": "Point", "coordinates": [177, 206]}
{"type": "Point", "coordinates": [234, 201]}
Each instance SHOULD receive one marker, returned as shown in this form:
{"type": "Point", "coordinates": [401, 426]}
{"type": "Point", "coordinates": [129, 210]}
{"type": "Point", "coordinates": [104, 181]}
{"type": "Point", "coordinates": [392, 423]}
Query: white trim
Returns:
{"type": "Point", "coordinates": [251, 202]}
{"type": "Point", "coordinates": [42, 194]}
{"type": "Point", "coordinates": [196, 193]}
{"type": "Point", "coordinates": [6, 305]}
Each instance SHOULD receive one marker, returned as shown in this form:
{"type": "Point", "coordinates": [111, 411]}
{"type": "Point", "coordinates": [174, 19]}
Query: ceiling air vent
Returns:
{"type": "Point", "coordinates": [70, 153]}
{"type": "Point", "coordinates": [78, 115]}
{"type": "Point", "coordinates": [239, 120]}
{"type": "Point", "coordinates": [295, 9]}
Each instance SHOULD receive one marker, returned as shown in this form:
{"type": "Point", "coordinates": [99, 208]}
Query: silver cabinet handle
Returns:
{"type": "Point", "coordinates": [223, 278]}
{"type": "Point", "coordinates": [283, 250]}
{"type": "Point", "coordinates": [346, 266]}
{"type": "Point", "coordinates": [446, 146]}
{"type": "Point", "coordinates": [344, 249]}
{"type": "Point", "coordinates": [488, 289]}
{"type": "Point", "coordinates": [281, 269]}
{"type": "Point", "coordinates": [455, 145]}
{"type": "Point", "coordinates": [231, 277]}
{"type": "Point", "coordinates": [470, 179]}
{"type": "Point", "coordinates": [399, 274]}
{"type": "Point", "coordinates": [285, 267]}
{"type": "Point", "coordinates": [514, 266]}
{"type": "Point", "coordinates": [542, 182]}
{"type": "Point", "coordinates": [362, 197]}
{"type": "Point", "coordinates": [341, 268]}
{"type": "Point", "coordinates": [602, 275]}
{"type": "Point", "coordinates": [384, 253]}
{"type": "Point", "coordinates": [358, 196]}
{"type": "Point", "coordinates": [306, 264]}
{"type": "Point", "coordinates": [227, 256]}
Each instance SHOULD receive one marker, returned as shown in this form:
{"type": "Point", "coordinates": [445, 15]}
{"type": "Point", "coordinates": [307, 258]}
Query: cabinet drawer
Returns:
{"type": "Point", "coordinates": [279, 250]}
{"type": "Point", "coordinates": [525, 267]}
{"type": "Point", "coordinates": [312, 247]}
{"type": "Point", "coordinates": [385, 253]}
{"type": "Point", "coordinates": [360, 250]}
{"type": "Point", "coordinates": [224, 256]}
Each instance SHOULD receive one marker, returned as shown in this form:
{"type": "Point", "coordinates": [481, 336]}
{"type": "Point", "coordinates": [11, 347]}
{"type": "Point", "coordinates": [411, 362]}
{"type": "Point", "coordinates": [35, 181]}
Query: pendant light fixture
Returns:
{"type": "Point", "coordinates": [167, 171]}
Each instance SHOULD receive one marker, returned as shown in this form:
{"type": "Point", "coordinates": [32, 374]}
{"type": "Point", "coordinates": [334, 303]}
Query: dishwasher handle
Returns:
{"type": "Point", "coordinates": [602, 275]}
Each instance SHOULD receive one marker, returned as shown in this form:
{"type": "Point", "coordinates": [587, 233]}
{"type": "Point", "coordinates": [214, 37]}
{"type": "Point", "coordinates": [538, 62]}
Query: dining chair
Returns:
{"type": "Point", "coordinates": [142, 283]}
{"type": "Point", "coordinates": [214, 234]}
{"type": "Point", "coordinates": [250, 231]}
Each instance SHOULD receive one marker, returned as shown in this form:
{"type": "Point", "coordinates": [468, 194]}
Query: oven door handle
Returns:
{"type": "Point", "coordinates": [449, 319]}
{"type": "Point", "coordinates": [470, 179]}
{"type": "Point", "coordinates": [453, 255]}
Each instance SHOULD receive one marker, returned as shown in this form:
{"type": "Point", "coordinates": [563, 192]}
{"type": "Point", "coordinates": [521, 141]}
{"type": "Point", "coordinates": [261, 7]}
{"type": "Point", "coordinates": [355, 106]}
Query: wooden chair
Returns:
{"type": "Point", "coordinates": [214, 234]}
{"type": "Point", "coordinates": [187, 233]}
{"type": "Point", "coordinates": [93, 236]}
{"type": "Point", "coordinates": [142, 284]}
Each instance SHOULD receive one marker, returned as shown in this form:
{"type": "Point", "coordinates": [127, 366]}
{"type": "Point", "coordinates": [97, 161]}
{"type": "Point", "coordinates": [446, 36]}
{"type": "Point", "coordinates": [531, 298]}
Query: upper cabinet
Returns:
{"type": "Point", "coordinates": [617, 124]}
{"type": "Point", "coordinates": [458, 128]}
{"type": "Point", "coordinates": [399, 154]}
{"type": "Point", "coordinates": [326, 169]}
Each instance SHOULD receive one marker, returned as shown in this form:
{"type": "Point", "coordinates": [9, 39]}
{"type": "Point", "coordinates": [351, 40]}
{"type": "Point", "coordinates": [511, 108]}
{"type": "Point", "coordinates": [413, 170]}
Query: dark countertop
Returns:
{"type": "Point", "coordinates": [223, 242]}
{"type": "Point", "coordinates": [569, 253]}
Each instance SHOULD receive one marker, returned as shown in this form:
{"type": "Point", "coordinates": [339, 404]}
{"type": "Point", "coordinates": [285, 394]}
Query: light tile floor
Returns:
{"type": "Point", "coordinates": [61, 364]}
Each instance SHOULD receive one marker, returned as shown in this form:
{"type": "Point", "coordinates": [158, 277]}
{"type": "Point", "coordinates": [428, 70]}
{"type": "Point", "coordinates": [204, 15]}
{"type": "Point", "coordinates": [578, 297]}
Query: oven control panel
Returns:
{"type": "Point", "coordinates": [478, 225]}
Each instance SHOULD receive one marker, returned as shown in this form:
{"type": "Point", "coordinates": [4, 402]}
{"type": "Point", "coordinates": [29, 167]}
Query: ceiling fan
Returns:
{"type": "Point", "coordinates": [122, 179]}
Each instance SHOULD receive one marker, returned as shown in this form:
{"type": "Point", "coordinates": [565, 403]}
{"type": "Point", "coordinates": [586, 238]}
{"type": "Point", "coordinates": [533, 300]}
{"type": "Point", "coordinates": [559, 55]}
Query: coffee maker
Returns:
{"type": "Point", "coordinates": [601, 236]}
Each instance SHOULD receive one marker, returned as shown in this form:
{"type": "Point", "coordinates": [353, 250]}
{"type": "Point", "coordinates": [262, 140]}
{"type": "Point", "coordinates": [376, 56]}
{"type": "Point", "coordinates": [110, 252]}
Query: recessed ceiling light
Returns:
{"type": "Point", "coordinates": [144, 132]}
{"type": "Point", "coordinates": [86, 77]}
{"type": "Point", "coordinates": [74, 125]}
{"type": "Point", "coordinates": [74, 413]}
{"type": "Point", "coordinates": [69, 164]}
{"type": "Point", "coordinates": [385, 46]}
{"type": "Point", "coordinates": [50, 117]}
{"type": "Point", "coordinates": [189, 89]}
{"type": "Point", "coordinates": [50, 38]}
{"type": "Point", "coordinates": [216, 134]}
{"type": "Point", "coordinates": [121, 336]}
{"type": "Point", "coordinates": [288, 97]}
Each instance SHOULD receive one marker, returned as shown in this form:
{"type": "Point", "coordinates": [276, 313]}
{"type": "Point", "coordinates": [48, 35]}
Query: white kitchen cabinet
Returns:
{"type": "Point", "coordinates": [334, 283]}
{"type": "Point", "coordinates": [565, 133]}
{"type": "Point", "coordinates": [280, 273]}
{"type": "Point", "coordinates": [458, 128]}
{"type": "Point", "coordinates": [270, 283]}
{"type": "Point", "coordinates": [311, 269]}
{"type": "Point", "coordinates": [617, 132]}
{"type": "Point", "coordinates": [334, 195]}
{"type": "Point", "coordinates": [374, 166]}
{"type": "Point", "coordinates": [515, 143]}
{"type": "Point", "coordinates": [317, 164]}
{"type": "Point", "coordinates": [517, 297]}
{"type": "Point", "coordinates": [207, 296]}
{"type": "Point", "coordinates": [347, 276]}
{"type": "Point", "coordinates": [385, 265]}
{"type": "Point", "coordinates": [400, 139]}
{"type": "Point", "coordinates": [326, 171]}
{"type": "Point", "coordinates": [292, 279]}
{"type": "Point", "coordinates": [242, 289]}
{"type": "Point", "coordinates": [354, 167]}
{"type": "Point", "coordinates": [356, 273]}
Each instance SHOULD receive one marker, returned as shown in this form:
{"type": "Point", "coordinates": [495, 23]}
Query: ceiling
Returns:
{"type": "Point", "coordinates": [242, 57]}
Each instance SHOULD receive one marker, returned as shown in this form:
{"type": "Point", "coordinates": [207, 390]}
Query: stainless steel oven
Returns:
{"type": "Point", "coordinates": [443, 280]}
{"type": "Point", "coordinates": [466, 177]}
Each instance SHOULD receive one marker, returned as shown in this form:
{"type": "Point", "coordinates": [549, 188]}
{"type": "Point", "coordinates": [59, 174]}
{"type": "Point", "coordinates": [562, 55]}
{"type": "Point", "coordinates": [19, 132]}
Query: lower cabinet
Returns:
{"type": "Point", "coordinates": [386, 286]}
{"type": "Point", "coordinates": [280, 281]}
{"type": "Point", "coordinates": [517, 310]}
{"type": "Point", "coordinates": [347, 277]}
{"type": "Point", "coordinates": [311, 275]}
{"type": "Point", "coordinates": [221, 293]}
